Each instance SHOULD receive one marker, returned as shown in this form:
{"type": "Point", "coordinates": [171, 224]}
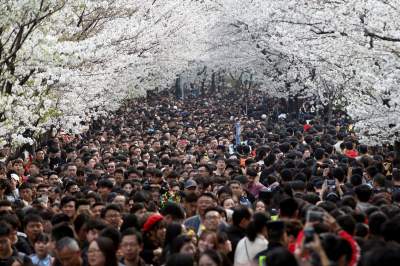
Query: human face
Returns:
{"type": "Point", "coordinates": [97, 211]}
{"type": "Point", "coordinates": [53, 179]}
{"type": "Point", "coordinates": [206, 261]}
{"type": "Point", "coordinates": [71, 170]}
{"type": "Point", "coordinates": [26, 194]}
{"type": "Point", "coordinates": [260, 206]}
{"type": "Point", "coordinates": [68, 257]}
{"type": "Point", "coordinates": [33, 229]}
{"type": "Point", "coordinates": [120, 200]}
{"type": "Point", "coordinates": [113, 218]}
{"type": "Point", "coordinates": [69, 209]}
{"type": "Point", "coordinates": [128, 188]}
{"type": "Point", "coordinates": [229, 204]}
{"type": "Point", "coordinates": [203, 203]}
{"type": "Point", "coordinates": [95, 256]}
{"type": "Point", "coordinates": [41, 249]}
{"type": "Point", "coordinates": [213, 219]}
{"type": "Point", "coordinates": [92, 235]}
{"type": "Point", "coordinates": [236, 189]}
{"type": "Point", "coordinates": [130, 248]}
{"type": "Point", "coordinates": [188, 248]}
{"type": "Point", "coordinates": [5, 246]}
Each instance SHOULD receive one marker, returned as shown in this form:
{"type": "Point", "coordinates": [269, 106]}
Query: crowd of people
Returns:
{"type": "Point", "coordinates": [218, 179]}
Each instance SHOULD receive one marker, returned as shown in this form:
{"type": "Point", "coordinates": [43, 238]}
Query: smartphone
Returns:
{"type": "Point", "coordinates": [314, 216]}
{"type": "Point", "coordinates": [331, 183]}
{"type": "Point", "coordinates": [309, 234]}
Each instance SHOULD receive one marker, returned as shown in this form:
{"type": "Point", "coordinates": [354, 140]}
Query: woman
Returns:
{"type": "Point", "coordinates": [153, 239]}
{"type": "Point", "coordinates": [183, 244]}
{"type": "Point", "coordinates": [254, 241]}
{"type": "Point", "coordinates": [173, 230]}
{"type": "Point", "coordinates": [210, 257]}
{"type": "Point", "coordinates": [101, 252]}
{"type": "Point", "coordinates": [207, 240]}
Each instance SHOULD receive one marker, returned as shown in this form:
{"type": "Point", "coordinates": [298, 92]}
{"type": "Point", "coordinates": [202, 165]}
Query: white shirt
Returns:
{"type": "Point", "coordinates": [247, 250]}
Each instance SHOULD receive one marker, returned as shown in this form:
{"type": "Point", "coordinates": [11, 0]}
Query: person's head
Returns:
{"type": "Point", "coordinates": [183, 244]}
{"type": "Point", "coordinates": [210, 257]}
{"type": "Point", "coordinates": [33, 225]}
{"type": "Point", "coordinates": [101, 252]}
{"type": "Point", "coordinates": [205, 201]}
{"type": "Point", "coordinates": [93, 228]}
{"type": "Point", "coordinates": [228, 203]}
{"type": "Point", "coordinates": [154, 228]}
{"type": "Point", "coordinates": [131, 245]}
{"type": "Point", "coordinates": [212, 219]}
{"type": "Point", "coordinates": [241, 216]}
{"type": "Point", "coordinates": [68, 206]}
{"type": "Point", "coordinates": [112, 215]}
{"type": "Point", "coordinates": [41, 245]}
{"type": "Point", "coordinates": [288, 208]}
{"type": "Point", "coordinates": [5, 206]}
{"type": "Point", "coordinates": [179, 259]}
{"type": "Point", "coordinates": [236, 188]}
{"type": "Point", "coordinates": [277, 232]}
{"type": "Point", "coordinates": [68, 252]}
{"type": "Point", "coordinates": [363, 192]}
{"type": "Point", "coordinates": [172, 212]}
{"type": "Point", "coordinates": [280, 256]}
{"type": "Point", "coordinates": [257, 226]}
{"type": "Point", "coordinates": [97, 209]}
{"type": "Point", "coordinates": [5, 240]}
{"type": "Point", "coordinates": [25, 192]}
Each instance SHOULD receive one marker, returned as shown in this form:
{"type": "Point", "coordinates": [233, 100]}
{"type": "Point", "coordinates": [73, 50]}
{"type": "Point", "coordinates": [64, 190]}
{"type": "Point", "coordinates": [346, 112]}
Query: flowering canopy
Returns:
{"type": "Point", "coordinates": [63, 62]}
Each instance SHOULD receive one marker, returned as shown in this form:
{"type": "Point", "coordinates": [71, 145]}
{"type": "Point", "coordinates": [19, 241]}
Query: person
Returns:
{"type": "Point", "coordinates": [41, 257]}
{"type": "Point", "coordinates": [68, 252]}
{"type": "Point", "coordinates": [131, 246]}
{"type": "Point", "coordinates": [205, 200]}
{"type": "Point", "coordinates": [254, 241]}
{"type": "Point", "coordinates": [241, 218]}
{"type": "Point", "coordinates": [153, 238]}
{"type": "Point", "coordinates": [210, 257]}
{"type": "Point", "coordinates": [101, 252]}
{"type": "Point", "coordinates": [8, 255]}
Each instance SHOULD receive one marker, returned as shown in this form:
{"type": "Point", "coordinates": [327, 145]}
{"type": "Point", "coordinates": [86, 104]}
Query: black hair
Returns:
{"type": "Point", "coordinates": [113, 234]}
{"type": "Point", "coordinates": [174, 210]}
{"type": "Point", "coordinates": [256, 226]}
{"type": "Point", "coordinates": [133, 232]}
{"type": "Point", "coordinates": [179, 259]}
{"type": "Point", "coordinates": [240, 213]}
{"type": "Point", "coordinates": [280, 256]}
{"type": "Point", "coordinates": [106, 246]}
{"type": "Point", "coordinates": [60, 231]}
{"type": "Point", "coordinates": [179, 242]}
{"type": "Point", "coordinates": [214, 255]}
{"type": "Point", "coordinates": [288, 207]}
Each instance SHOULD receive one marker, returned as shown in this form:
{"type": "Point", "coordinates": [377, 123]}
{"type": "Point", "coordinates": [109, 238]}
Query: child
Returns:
{"type": "Point", "coordinates": [41, 256]}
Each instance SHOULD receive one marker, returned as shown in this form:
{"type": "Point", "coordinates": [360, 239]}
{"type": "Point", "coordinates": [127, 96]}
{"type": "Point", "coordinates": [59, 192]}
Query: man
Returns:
{"type": "Point", "coordinates": [206, 200]}
{"type": "Point", "coordinates": [26, 193]}
{"type": "Point", "coordinates": [241, 218]}
{"type": "Point", "coordinates": [33, 228]}
{"type": "Point", "coordinates": [212, 219]}
{"type": "Point", "coordinates": [104, 187]}
{"type": "Point", "coordinates": [68, 252]}
{"type": "Point", "coordinates": [112, 215]}
{"type": "Point", "coordinates": [68, 206]}
{"type": "Point", "coordinates": [97, 208]}
{"type": "Point", "coordinates": [221, 165]}
{"type": "Point", "coordinates": [8, 255]}
{"type": "Point", "coordinates": [277, 238]}
{"type": "Point", "coordinates": [173, 212]}
{"type": "Point", "coordinates": [131, 246]}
